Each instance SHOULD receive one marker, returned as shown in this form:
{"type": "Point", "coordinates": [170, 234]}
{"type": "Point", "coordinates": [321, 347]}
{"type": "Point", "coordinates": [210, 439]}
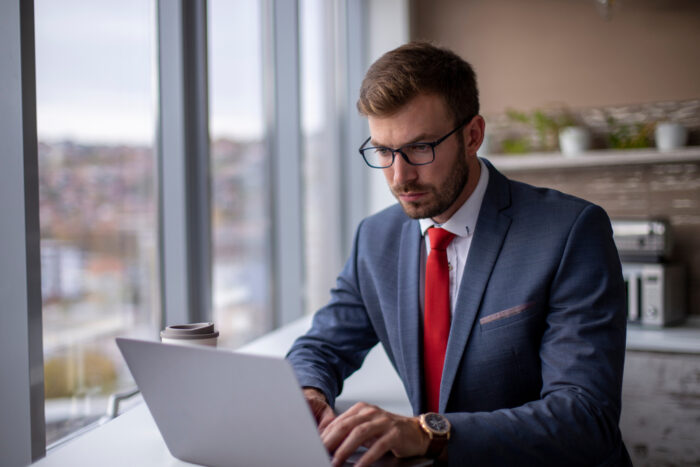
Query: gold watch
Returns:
{"type": "Point", "coordinates": [437, 427]}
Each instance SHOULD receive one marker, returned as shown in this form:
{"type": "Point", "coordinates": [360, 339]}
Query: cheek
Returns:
{"type": "Point", "coordinates": [431, 174]}
{"type": "Point", "coordinates": [388, 175]}
{"type": "Point", "coordinates": [441, 170]}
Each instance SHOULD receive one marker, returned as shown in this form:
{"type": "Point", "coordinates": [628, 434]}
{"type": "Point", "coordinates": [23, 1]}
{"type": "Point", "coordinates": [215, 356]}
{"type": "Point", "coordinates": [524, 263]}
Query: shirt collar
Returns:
{"type": "Point", "coordinates": [463, 221]}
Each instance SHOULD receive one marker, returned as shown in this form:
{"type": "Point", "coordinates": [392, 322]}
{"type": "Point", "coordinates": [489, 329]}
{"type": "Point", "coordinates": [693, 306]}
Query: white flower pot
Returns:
{"type": "Point", "coordinates": [573, 140]}
{"type": "Point", "coordinates": [670, 136]}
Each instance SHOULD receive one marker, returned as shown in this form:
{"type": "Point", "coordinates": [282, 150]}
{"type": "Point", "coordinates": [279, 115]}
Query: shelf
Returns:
{"type": "Point", "coordinates": [555, 160]}
{"type": "Point", "coordinates": [679, 339]}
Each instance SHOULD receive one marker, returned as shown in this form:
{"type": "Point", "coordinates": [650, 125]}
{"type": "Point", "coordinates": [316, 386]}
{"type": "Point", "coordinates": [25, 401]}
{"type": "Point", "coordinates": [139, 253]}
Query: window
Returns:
{"type": "Point", "coordinates": [98, 208]}
{"type": "Point", "coordinates": [320, 133]}
{"type": "Point", "coordinates": [241, 215]}
{"type": "Point", "coordinates": [97, 162]}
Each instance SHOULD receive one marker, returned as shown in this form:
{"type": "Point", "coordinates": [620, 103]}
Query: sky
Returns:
{"type": "Point", "coordinates": [94, 70]}
{"type": "Point", "coordinates": [96, 74]}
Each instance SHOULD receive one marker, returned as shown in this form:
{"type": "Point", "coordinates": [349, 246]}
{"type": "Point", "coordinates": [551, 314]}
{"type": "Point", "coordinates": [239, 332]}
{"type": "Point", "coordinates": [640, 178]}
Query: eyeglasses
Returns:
{"type": "Point", "coordinates": [418, 153]}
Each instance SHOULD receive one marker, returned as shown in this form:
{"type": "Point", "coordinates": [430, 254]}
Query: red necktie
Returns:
{"type": "Point", "coordinates": [436, 323]}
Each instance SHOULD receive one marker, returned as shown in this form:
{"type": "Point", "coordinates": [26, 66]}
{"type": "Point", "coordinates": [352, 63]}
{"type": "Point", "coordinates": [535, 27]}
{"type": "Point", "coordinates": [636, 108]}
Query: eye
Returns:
{"type": "Point", "coordinates": [419, 148]}
{"type": "Point", "coordinates": [382, 152]}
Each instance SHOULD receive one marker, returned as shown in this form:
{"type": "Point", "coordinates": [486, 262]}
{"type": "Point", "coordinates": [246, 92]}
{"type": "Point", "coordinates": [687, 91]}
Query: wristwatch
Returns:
{"type": "Point", "coordinates": [437, 427]}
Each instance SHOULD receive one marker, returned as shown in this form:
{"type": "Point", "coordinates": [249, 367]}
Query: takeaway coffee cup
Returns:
{"type": "Point", "coordinates": [190, 334]}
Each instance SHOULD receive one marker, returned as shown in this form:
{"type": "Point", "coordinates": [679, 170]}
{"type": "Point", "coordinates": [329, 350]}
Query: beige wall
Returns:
{"type": "Point", "coordinates": [548, 53]}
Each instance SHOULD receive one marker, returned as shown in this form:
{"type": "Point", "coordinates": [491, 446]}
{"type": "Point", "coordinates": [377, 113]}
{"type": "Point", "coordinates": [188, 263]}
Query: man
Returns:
{"type": "Point", "coordinates": [500, 305]}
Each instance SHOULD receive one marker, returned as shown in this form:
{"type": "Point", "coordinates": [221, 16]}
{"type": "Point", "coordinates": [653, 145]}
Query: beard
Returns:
{"type": "Point", "coordinates": [439, 198]}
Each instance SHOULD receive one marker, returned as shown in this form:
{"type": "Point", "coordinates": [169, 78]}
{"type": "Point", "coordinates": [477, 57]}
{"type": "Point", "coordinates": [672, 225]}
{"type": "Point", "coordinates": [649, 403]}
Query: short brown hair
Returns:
{"type": "Point", "coordinates": [419, 68]}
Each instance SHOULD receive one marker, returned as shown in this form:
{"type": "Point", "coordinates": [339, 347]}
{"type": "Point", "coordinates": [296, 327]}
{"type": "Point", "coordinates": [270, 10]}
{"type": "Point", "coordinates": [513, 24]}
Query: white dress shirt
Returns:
{"type": "Point", "coordinates": [462, 224]}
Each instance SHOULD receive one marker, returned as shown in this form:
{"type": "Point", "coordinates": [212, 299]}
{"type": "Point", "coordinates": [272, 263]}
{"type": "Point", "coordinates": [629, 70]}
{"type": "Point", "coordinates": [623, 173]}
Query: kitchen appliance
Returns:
{"type": "Point", "coordinates": [655, 293]}
{"type": "Point", "coordinates": [642, 240]}
{"type": "Point", "coordinates": [656, 290]}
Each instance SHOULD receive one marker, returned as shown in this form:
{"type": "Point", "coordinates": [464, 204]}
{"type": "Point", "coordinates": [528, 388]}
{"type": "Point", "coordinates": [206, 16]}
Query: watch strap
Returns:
{"type": "Point", "coordinates": [438, 440]}
{"type": "Point", "coordinates": [437, 444]}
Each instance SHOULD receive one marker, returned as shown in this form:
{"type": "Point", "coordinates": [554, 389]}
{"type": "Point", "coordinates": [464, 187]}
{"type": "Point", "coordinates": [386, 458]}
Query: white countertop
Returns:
{"type": "Point", "coordinates": [133, 438]}
{"type": "Point", "coordinates": [679, 339]}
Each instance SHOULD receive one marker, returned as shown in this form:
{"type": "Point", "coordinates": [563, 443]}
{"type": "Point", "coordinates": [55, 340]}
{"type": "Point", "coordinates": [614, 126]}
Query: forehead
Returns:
{"type": "Point", "coordinates": [425, 117]}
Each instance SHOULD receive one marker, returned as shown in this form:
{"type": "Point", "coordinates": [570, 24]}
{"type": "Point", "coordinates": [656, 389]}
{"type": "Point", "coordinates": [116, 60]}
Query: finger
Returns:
{"type": "Point", "coordinates": [342, 425]}
{"type": "Point", "coordinates": [378, 449]}
{"type": "Point", "coordinates": [360, 409]}
{"type": "Point", "coordinates": [366, 434]}
{"type": "Point", "coordinates": [325, 418]}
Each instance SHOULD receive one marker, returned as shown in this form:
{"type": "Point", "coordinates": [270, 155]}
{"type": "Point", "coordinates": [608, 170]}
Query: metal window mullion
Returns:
{"type": "Point", "coordinates": [334, 99]}
{"type": "Point", "coordinates": [355, 183]}
{"type": "Point", "coordinates": [284, 142]}
{"type": "Point", "coordinates": [183, 153]}
{"type": "Point", "coordinates": [22, 425]}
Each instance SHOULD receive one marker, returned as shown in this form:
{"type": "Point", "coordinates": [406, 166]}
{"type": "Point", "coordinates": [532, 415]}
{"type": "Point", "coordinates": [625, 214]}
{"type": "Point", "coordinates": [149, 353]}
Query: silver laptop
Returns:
{"type": "Point", "coordinates": [218, 407]}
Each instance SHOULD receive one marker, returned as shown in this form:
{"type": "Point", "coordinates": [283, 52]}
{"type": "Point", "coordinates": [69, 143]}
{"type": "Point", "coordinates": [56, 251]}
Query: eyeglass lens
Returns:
{"type": "Point", "coordinates": [417, 154]}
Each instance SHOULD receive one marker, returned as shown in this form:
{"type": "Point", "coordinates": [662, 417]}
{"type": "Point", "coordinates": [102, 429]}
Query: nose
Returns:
{"type": "Point", "coordinates": [403, 172]}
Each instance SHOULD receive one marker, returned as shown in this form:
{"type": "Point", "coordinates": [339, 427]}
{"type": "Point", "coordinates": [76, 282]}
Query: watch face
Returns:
{"type": "Point", "coordinates": [437, 423]}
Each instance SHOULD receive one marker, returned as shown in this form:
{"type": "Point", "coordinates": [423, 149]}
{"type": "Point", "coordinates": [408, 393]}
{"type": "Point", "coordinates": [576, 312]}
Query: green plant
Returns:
{"type": "Point", "coordinates": [625, 136]}
{"type": "Point", "coordinates": [546, 126]}
{"type": "Point", "coordinates": [515, 146]}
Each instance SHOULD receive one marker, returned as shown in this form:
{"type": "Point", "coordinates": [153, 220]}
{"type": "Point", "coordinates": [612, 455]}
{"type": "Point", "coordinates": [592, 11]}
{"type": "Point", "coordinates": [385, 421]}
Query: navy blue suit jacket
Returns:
{"type": "Point", "coordinates": [533, 369]}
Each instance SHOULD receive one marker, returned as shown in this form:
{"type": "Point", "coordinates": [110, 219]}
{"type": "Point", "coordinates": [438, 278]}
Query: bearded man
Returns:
{"type": "Point", "coordinates": [501, 305]}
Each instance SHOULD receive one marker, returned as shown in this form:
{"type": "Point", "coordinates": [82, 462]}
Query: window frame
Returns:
{"type": "Point", "coordinates": [183, 162]}
{"type": "Point", "coordinates": [22, 430]}
{"type": "Point", "coordinates": [183, 185]}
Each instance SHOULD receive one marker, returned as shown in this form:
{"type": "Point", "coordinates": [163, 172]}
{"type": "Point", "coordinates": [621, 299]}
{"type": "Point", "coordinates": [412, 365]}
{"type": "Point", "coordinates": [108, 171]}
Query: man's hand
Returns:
{"type": "Point", "coordinates": [319, 407]}
{"type": "Point", "coordinates": [376, 429]}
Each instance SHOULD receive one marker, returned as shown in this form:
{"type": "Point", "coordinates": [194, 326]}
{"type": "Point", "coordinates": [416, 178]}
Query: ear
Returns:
{"type": "Point", "coordinates": [474, 135]}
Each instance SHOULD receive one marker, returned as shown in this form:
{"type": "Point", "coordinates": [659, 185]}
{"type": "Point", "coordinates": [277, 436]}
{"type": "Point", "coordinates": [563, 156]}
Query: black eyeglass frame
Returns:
{"type": "Point", "coordinates": [432, 145]}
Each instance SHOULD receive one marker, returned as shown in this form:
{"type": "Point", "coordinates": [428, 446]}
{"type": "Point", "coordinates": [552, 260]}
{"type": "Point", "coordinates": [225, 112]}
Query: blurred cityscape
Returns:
{"type": "Point", "coordinates": [99, 256]}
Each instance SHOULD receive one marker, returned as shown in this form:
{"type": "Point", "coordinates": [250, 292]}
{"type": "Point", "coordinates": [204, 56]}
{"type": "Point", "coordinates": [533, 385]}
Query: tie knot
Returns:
{"type": "Point", "coordinates": [439, 238]}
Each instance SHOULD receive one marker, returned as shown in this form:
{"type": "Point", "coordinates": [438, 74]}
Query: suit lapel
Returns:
{"type": "Point", "coordinates": [491, 228]}
{"type": "Point", "coordinates": [409, 311]}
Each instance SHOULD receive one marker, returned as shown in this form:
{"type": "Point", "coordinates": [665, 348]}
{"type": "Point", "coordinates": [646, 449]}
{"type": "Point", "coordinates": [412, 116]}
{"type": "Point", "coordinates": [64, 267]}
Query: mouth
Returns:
{"type": "Point", "coordinates": [412, 196]}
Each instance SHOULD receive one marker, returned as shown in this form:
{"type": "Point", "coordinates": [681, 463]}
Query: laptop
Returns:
{"type": "Point", "coordinates": [218, 407]}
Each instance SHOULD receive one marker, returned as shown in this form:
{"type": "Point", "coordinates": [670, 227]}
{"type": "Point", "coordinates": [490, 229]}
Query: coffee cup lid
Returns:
{"type": "Point", "coordinates": [190, 331]}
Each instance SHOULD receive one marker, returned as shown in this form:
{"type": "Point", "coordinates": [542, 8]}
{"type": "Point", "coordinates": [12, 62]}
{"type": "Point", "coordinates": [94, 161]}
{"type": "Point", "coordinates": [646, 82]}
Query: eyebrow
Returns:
{"type": "Point", "coordinates": [421, 138]}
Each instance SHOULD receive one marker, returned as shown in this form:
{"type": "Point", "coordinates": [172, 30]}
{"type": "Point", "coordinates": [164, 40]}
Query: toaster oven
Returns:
{"type": "Point", "coordinates": [655, 293]}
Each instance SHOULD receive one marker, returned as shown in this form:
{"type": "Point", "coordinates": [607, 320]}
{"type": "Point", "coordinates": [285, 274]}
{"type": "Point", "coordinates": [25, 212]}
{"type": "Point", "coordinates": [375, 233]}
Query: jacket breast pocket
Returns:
{"type": "Point", "coordinates": [508, 316]}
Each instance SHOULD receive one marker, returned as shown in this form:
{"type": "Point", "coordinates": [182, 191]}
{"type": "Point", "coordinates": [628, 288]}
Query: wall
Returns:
{"type": "Point", "coordinates": [541, 53]}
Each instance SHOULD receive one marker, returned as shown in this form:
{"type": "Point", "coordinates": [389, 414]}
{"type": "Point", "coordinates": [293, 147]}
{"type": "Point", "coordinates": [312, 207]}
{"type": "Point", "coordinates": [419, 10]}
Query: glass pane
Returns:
{"type": "Point", "coordinates": [320, 156]}
{"type": "Point", "coordinates": [241, 217]}
{"type": "Point", "coordinates": [97, 182]}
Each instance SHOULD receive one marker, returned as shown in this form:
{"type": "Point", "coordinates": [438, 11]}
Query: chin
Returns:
{"type": "Point", "coordinates": [418, 212]}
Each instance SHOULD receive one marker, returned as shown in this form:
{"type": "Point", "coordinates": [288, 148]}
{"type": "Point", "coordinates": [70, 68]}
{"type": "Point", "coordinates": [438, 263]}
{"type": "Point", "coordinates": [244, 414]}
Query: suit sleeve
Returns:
{"type": "Point", "coordinates": [575, 421]}
{"type": "Point", "coordinates": [340, 337]}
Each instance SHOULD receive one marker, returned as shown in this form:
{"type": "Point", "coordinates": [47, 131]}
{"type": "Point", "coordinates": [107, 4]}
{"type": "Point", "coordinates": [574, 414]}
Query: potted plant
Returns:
{"type": "Point", "coordinates": [629, 136]}
{"type": "Point", "coordinates": [549, 130]}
